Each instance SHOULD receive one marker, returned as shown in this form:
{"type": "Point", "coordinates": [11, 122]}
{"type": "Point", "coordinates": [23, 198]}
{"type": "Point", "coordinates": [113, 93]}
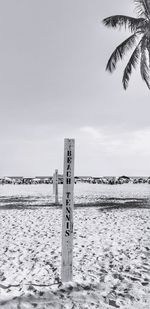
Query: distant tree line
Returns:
{"type": "Point", "coordinates": [78, 179]}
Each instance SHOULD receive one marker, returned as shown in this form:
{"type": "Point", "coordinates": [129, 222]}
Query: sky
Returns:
{"type": "Point", "coordinates": [53, 85]}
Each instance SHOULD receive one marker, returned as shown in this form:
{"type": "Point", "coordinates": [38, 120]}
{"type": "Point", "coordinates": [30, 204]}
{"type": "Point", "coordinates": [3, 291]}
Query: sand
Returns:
{"type": "Point", "coordinates": [111, 258]}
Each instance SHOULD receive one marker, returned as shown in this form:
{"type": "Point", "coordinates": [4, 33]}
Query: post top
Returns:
{"type": "Point", "coordinates": [69, 139]}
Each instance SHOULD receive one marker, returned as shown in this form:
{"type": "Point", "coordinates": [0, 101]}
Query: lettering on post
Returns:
{"type": "Point", "coordinates": [67, 216]}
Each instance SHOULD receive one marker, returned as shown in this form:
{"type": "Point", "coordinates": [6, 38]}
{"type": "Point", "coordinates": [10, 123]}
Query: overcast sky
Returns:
{"type": "Point", "coordinates": [53, 85]}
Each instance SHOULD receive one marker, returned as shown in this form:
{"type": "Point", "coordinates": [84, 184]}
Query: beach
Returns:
{"type": "Point", "coordinates": [111, 248]}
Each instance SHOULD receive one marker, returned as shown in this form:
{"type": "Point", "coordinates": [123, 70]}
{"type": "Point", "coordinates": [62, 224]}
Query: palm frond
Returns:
{"type": "Point", "coordinates": [133, 61]}
{"type": "Point", "coordinates": [144, 68]}
{"type": "Point", "coordinates": [121, 20]}
{"type": "Point", "coordinates": [143, 8]}
{"type": "Point", "coordinates": [120, 51]}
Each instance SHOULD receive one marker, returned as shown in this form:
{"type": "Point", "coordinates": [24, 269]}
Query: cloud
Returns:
{"type": "Point", "coordinates": [141, 142]}
{"type": "Point", "coordinates": [93, 132]}
{"type": "Point", "coordinates": [117, 142]}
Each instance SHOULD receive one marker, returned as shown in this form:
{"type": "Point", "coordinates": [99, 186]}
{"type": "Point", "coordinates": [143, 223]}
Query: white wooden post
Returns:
{"type": "Point", "coordinates": [67, 211]}
{"type": "Point", "coordinates": [54, 183]}
{"type": "Point", "coordinates": [56, 186]}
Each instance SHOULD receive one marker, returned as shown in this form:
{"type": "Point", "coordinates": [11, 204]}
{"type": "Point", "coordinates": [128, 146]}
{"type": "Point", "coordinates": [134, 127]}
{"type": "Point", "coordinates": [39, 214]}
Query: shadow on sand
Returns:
{"type": "Point", "coordinates": [103, 204]}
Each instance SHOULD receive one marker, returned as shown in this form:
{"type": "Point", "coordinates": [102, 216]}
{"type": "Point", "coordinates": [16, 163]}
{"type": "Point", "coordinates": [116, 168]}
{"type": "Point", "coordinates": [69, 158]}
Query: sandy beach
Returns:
{"type": "Point", "coordinates": [110, 266]}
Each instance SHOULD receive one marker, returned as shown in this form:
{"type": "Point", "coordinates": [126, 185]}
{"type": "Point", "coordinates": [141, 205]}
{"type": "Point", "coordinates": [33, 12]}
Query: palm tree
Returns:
{"type": "Point", "coordinates": [139, 40]}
